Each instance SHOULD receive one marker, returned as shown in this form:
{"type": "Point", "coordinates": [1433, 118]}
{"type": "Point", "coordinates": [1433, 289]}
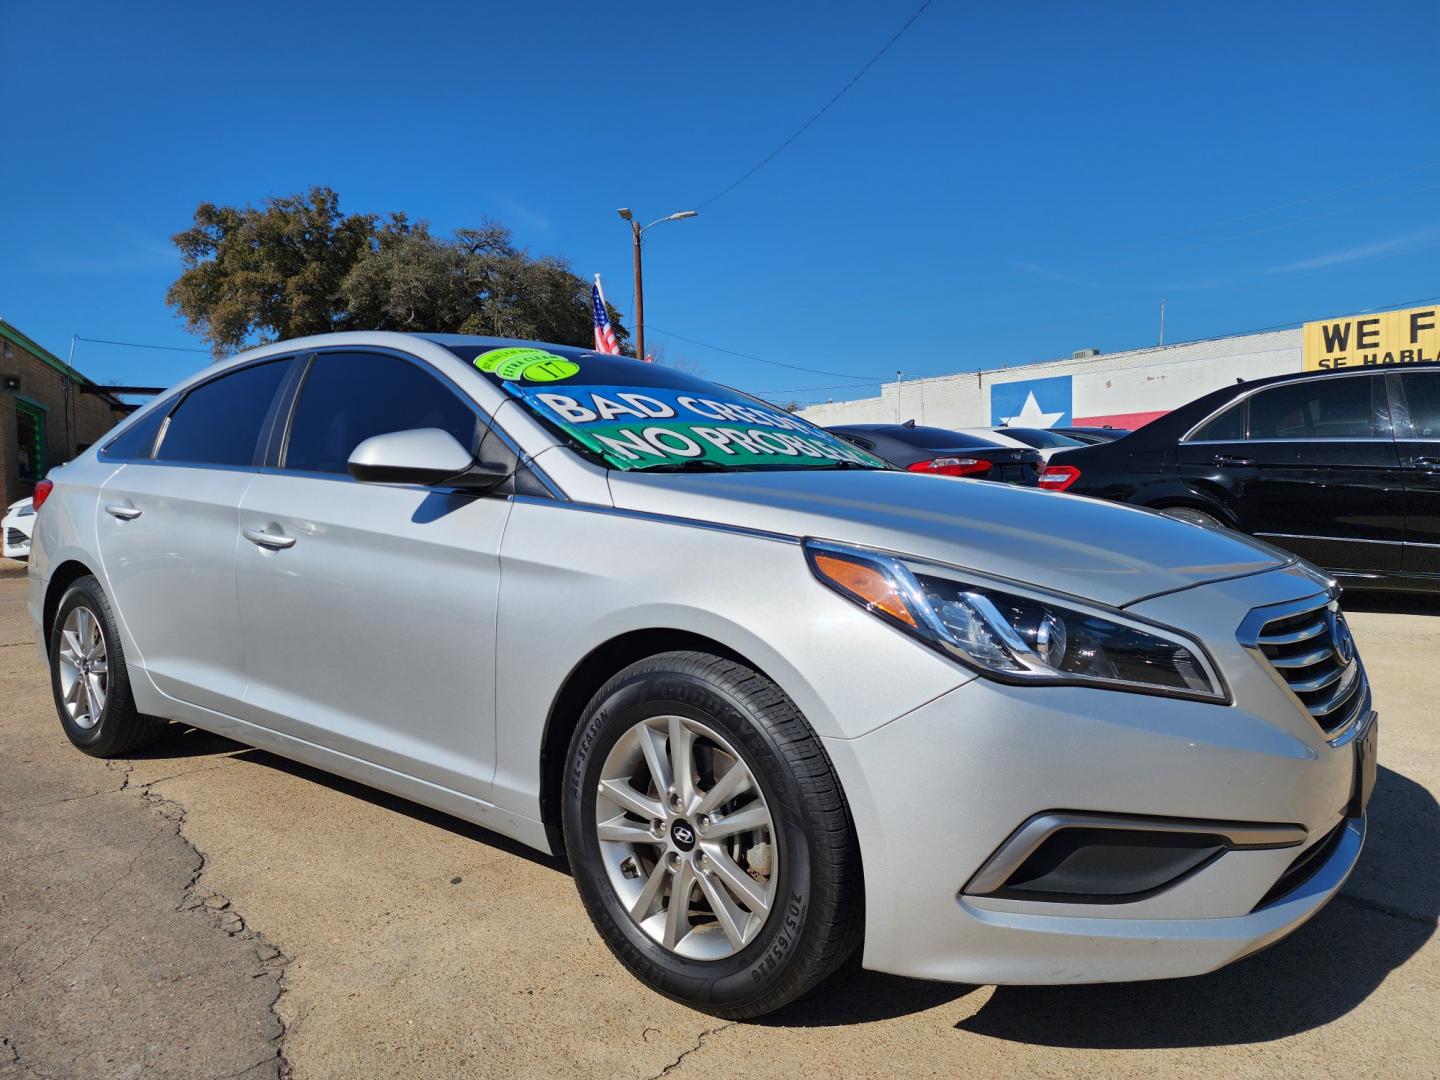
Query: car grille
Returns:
{"type": "Point", "coordinates": [16, 538]}
{"type": "Point", "coordinates": [1310, 648]}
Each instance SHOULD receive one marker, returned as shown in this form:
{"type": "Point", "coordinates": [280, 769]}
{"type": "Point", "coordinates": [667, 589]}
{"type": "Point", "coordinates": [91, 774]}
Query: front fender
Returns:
{"type": "Point", "coordinates": [573, 579]}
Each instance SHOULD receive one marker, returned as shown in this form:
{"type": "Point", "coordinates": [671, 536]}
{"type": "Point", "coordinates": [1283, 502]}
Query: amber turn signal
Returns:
{"type": "Point", "coordinates": [866, 583]}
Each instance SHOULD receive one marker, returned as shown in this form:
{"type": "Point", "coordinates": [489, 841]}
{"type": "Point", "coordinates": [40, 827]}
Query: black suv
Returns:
{"type": "Point", "coordinates": [1341, 467]}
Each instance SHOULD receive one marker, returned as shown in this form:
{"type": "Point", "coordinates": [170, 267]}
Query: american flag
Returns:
{"type": "Point", "coordinates": [604, 335]}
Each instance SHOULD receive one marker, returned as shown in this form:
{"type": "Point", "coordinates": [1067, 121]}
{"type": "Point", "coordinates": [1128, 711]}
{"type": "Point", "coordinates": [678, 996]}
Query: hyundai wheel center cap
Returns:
{"type": "Point", "coordinates": [682, 834]}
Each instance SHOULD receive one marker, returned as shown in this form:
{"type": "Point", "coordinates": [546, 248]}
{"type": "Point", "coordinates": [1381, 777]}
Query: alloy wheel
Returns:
{"type": "Point", "coordinates": [687, 838]}
{"type": "Point", "coordinates": [84, 668]}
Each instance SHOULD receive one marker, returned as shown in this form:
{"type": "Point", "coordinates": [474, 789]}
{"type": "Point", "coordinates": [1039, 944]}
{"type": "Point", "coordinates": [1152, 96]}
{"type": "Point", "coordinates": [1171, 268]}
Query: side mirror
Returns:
{"type": "Point", "coordinates": [426, 456]}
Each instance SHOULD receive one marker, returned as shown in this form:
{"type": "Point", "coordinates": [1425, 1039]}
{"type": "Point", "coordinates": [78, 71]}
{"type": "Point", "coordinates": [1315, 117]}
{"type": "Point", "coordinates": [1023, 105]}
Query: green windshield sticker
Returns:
{"type": "Point", "coordinates": [531, 365]}
{"type": "Point", "coordinates": [631, 429]}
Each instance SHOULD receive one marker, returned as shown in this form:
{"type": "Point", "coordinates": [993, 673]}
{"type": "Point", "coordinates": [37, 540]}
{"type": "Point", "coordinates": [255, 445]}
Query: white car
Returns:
{"type": "Point", "coordinates": [1041, 439]}
{"type": "Point", "coordinates": [779, 703]}
{"type": "Point", "coordinates": [15, 529]}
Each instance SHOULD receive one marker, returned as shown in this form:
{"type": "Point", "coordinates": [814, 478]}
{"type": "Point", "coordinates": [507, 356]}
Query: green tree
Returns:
{"type": "Point", "coordinates": [298, 266]}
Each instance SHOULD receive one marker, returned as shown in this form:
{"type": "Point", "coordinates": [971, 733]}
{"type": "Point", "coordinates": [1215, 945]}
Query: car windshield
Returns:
{"type": "Point", "coordinates": [1040, 438]}
{"type": "Point", "coordinates": [633, 416]}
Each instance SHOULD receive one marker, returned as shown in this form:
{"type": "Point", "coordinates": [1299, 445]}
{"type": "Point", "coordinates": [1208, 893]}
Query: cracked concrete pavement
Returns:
{"type": "Point", "coordinates": [111, 961]}
{"type": "Point", "coordinates": [390, 940]}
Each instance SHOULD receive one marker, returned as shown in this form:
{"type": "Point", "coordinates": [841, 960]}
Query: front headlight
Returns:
{"type": "Point", "coordinates": [1013, 633]}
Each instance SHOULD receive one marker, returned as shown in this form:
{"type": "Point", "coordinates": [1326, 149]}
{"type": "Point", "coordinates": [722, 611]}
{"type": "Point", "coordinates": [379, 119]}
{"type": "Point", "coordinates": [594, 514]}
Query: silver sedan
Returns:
{"type": "Point", "coordinates": [778, 702]}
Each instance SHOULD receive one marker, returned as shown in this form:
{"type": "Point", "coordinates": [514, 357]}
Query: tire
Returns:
{"type": "Point", "coordinates": [1194, 517]}
{"type": "Point", "coordinates": [808, 856]}
{"type": "Point", "coordinates": [85, 624]}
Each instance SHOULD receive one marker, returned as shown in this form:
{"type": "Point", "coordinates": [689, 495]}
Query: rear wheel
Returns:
{"type": "Point", "coordinates": [709, 837]}
{"type": "Point", "coordinates": [89, 678]}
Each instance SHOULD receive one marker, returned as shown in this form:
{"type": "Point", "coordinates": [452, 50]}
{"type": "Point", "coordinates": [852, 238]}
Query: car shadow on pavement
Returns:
{"type": "Point", "coordinates": [180, 741]}
{"type": "Point", "coordinates": [1382, 917]}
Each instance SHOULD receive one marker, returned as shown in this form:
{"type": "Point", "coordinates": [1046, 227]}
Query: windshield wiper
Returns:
{"type": "Point", "coordinates": [693, 465]}
{"type": "Point", "coordinates": [706, 465]}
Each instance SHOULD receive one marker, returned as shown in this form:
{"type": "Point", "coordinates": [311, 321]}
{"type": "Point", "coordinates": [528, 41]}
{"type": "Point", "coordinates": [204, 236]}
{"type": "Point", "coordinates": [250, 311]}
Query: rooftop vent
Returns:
{"type": "Point", "coordinates": [1081, 354]}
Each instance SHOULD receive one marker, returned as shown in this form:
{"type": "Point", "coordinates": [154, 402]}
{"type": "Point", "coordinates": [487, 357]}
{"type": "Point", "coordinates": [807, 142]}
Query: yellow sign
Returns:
{"type": "Point", "coordinates": [1390, 337]}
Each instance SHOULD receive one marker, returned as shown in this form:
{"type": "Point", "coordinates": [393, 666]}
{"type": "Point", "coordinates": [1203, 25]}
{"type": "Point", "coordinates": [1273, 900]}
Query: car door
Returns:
{"type": "Point", "coordinates": [168, 527]}
{"type": "Point", "coordinates": [1310, 465]}
{"type": "Point", "coordinates": [1417, 437]}
{"type": "Point", "coordinates": [369, 610]}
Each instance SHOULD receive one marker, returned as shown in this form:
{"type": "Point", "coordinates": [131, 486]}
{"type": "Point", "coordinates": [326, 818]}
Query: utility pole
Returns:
{"type": "Point", "coordinates": [639, 232]}
{"type": "Point", "coordinates": [68, 401]}
{"type": "Point", "coordinates": [899, 385]}
{"type": "Point", "coordinates": [1162, 320]}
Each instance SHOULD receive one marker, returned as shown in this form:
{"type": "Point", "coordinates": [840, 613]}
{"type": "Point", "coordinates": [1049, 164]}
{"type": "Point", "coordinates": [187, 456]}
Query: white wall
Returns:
{"type": "Point", "coordinates": [1136, 382]}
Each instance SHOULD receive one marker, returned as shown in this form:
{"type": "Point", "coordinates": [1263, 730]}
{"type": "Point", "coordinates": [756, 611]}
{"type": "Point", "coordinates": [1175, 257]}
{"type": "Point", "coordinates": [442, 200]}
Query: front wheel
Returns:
{"type": "Point", "coordinates": [709, 837]}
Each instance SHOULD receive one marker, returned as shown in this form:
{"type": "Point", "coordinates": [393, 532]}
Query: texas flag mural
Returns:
{"type": "Point", "coordinates": [1090, 399]}
{"type": "Point", "coordinates": [1032, 403]}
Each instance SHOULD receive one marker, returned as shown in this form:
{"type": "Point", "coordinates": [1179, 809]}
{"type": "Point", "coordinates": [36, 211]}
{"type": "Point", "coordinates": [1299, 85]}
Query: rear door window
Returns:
{"type": "Point", "coordinates": [348, 397]}
{"type": "Point", "coordinates": [138, 440]}
{"type": "Point", "coordinates": [219, 422]}
{"type": "Point", "coordinates": [1422, 393]}
{"type": "Point", "coordinates": [1229, 426]}
{"type": "Point", "coordinates": [1335, 408]}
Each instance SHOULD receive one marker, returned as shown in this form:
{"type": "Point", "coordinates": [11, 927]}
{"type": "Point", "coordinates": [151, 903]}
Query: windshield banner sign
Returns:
{"type": "Point", "coordinates": [631, 428]}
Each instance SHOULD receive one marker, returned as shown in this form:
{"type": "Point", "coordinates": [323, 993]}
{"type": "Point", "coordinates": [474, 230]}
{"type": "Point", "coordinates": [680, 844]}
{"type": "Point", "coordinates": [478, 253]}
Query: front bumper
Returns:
{"type": "Point", "coordinates": [938, 791]}
{"type": "Point", "coordinates": [15, 536]}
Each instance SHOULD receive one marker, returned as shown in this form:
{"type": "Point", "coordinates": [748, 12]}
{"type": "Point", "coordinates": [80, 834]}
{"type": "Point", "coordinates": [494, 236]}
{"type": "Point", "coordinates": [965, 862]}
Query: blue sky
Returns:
{"type": "Point", "coordinates": [1007, 184]}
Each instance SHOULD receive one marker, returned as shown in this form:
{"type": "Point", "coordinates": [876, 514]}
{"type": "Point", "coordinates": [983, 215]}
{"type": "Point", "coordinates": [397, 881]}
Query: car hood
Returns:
{"type": "Point", "coordinates": [1097, 550]}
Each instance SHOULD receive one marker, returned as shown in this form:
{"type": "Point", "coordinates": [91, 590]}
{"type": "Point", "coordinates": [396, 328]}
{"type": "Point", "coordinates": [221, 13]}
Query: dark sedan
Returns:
{"type": "Point", "coordinates": [1341, 467]}
{"type": "Point", "coordinates": [941, 452]}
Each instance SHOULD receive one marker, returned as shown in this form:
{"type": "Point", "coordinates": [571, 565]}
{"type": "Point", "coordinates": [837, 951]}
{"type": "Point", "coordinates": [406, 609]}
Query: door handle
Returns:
{"type": "Point", "coordinates": [1426, 462]}
{"type": "Point", "coordinates": [273, 541]}
{"type": "Point", "coordinates": [124, 513]}
{"type": "Point", "coordinates": [1233, 459]}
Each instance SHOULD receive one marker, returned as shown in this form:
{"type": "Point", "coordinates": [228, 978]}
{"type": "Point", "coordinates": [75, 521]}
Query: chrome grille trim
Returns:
{"type": "Point", "coordinates": [1303, 660]}
{"type": "Point", "coordinates": [1302, 644]}
{"type": "Point", "coordinates": [1295, 636]}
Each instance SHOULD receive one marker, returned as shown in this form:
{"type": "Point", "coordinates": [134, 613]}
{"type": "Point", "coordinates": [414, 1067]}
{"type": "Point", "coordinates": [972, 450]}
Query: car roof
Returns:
{"type": "Point", "coordinates": [1352, 369]}
{"type": "Point", "coordinates": [1165, 430]}
{"type": "Point", "coordinates": [898, 431]}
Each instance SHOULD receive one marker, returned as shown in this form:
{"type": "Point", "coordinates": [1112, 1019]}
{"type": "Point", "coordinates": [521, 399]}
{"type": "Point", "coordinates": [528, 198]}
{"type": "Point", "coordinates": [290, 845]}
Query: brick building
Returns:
{"type": "Point", "coordinates": [45, 419]}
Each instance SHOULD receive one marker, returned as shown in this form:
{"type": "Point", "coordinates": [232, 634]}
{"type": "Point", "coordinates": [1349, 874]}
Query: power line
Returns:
{"type": "Point", "coordinates": [138, 345]}
{"type": "Point", "coordinates": [823, 110]}
{"type": "Point", "coordinates": [839, 386]}
{"type": "Point", "coordinates": [1391, 306]}
{"type": "Point", "coordinates": [760, 359]}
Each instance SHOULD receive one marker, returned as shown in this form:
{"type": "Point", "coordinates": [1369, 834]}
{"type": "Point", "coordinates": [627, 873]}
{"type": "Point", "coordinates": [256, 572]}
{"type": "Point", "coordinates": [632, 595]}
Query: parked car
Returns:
{"type": "Point", "coordinates": [15, 529]}
{"type": "Point", "coordinates": [777, 701]}
{"type": "Point", "coordinates": [1092, 435]}
{"type": "Point", "coordinates": [1046, 440]}
{"type": "Point", "coordinates": [941, 452]}
{"type": "Point", "coordinates": [1340, 467]}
